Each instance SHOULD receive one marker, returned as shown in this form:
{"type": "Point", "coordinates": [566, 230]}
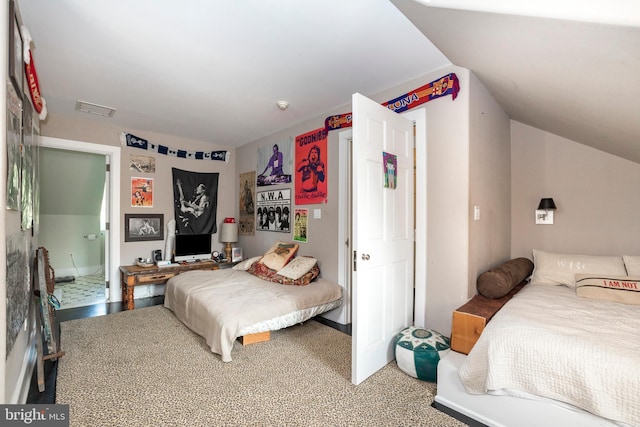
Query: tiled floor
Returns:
{"type": "Point", "coordinates": [82, 291]}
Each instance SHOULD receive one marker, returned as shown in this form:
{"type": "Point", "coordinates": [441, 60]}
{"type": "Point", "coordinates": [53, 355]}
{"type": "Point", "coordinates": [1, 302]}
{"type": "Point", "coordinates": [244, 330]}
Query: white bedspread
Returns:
{"type": "Point", "coordinates": [218, 304]}
{"type": "Point", "coordinates": [550, 343]}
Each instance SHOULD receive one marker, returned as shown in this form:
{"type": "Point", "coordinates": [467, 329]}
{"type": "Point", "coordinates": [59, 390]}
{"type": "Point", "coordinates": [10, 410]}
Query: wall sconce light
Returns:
{"type": "Point", "coordinates": [544, 213]}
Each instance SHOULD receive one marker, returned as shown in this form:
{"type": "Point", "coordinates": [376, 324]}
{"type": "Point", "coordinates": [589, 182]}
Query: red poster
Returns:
{"type": "Point", "coordinates": [142, 192]}
{"type": "Point", "coordinates": [311, 168]}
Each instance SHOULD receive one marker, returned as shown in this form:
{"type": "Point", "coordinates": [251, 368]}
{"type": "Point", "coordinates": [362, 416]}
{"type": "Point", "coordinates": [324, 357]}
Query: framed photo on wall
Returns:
{"type": "Point", "coordinates": [16, 61]}
{"type": "Point", "coordinates": [143, 227]}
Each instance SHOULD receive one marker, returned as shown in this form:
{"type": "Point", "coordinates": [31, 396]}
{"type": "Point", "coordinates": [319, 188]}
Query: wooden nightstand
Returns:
{"type": "Point", "coordinates": [134, 275]}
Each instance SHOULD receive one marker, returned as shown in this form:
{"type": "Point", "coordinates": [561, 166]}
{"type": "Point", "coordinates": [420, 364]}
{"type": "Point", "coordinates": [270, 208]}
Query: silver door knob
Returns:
{"type": "Point", "coordinates": [365, 257]}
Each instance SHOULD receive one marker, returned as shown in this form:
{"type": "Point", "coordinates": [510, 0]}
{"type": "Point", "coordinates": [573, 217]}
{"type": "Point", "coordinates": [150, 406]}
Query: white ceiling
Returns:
{"type": "Point", "coordinates": [214, 70]}
{"type": "Point", "coordinates": [576, 79]}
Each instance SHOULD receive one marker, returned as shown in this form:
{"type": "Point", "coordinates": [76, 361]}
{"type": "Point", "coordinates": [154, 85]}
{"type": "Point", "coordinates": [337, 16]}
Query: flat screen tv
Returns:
{"type": "Point", "coordinates": [192, 247]}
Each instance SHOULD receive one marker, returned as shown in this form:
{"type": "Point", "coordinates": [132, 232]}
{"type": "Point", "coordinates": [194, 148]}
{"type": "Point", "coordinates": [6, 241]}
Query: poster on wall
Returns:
{"type": "Point", "coordinates": [29, 149]}
{"type": "Point", "coordinates": [18, 285]}
{"type": "Point", "coordinates": [390, 166]}
{"type": "Point", "coordinates": [14, 139]}
{"type": "Point", "coordinates": [275, 163]}
{"type": "Point", "coordinates": [145, 164]}
{"type": "Point", "coordinates": [311, 164]}
{"type": "Point", "coordinates": [300, 225]}
{"type": "Point", "coordinates": [247, 205]}
{"type": "Point", "coordinates": [272, 210]}
{"type": "Point", "coordinates": [142, 192]}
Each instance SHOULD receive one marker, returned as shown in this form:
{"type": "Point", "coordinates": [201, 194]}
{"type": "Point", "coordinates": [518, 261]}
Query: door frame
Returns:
{"type": "Point", "coordinates": [112, 237]}
{"type": "Point", "coordinates": [419, 117]}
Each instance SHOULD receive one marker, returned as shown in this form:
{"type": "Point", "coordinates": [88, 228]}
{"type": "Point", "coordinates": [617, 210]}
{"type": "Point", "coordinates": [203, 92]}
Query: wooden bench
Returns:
{"type": "Point", "coordinates": [470, 319]}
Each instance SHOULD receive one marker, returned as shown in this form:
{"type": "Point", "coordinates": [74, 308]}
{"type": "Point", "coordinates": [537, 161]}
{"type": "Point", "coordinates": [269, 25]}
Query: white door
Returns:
{"type": "Point", "coordinates": [382, 286]}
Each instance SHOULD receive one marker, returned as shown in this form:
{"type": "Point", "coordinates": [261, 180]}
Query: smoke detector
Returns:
{"type": "Point", "coordinates": [283, 105]}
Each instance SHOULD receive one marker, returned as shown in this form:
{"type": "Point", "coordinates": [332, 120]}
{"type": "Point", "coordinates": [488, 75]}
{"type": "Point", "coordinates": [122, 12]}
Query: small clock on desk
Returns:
{"type": "Point", "coordinates": [217, 256]}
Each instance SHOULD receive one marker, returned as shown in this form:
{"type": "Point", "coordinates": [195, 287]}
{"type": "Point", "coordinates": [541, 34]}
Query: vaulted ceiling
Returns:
{"type": "Point", "coordinates": [214, 71]}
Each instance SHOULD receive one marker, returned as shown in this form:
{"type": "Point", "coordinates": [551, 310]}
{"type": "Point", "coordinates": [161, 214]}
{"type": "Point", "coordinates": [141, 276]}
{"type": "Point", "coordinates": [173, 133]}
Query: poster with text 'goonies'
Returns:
{"type": "Point", "coordinates": [311, 167]}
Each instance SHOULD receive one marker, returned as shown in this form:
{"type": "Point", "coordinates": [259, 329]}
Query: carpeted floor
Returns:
{"type": "Point", "coordinates": [144, 367]}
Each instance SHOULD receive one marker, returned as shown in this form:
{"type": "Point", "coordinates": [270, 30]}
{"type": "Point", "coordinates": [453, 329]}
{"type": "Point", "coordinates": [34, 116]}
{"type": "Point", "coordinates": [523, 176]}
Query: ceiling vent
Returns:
{"type": "Point", "coordinates": [98, 110]}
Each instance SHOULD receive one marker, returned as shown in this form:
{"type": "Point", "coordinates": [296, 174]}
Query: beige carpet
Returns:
{"type": "Point", "coordinates": [145, 368]}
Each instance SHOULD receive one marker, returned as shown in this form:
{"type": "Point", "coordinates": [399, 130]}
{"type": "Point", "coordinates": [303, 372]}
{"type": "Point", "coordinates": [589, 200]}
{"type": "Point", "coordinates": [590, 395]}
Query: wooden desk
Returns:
{"type": "Point", "coordinates": [134, 275]}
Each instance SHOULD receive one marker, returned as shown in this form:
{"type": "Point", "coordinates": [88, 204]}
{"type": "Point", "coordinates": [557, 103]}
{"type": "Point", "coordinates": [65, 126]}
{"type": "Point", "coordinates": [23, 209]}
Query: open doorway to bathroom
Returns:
{"type": "Point", "coordinates": [73, 223]}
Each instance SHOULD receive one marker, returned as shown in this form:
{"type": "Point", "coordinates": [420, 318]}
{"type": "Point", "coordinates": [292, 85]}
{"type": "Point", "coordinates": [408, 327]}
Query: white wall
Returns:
{"type": "Point", "coordinates": [63, 236]}
{"type": "Point", "coordinates": [596, 194]}
{"type": "Point", "coordinates": [489, 183]}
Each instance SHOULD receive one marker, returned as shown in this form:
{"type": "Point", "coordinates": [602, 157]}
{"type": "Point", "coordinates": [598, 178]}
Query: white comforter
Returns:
{"type": "Point", "coordinates": [548, 342]}
{"type": "Point", "coordinates": [219, 304]}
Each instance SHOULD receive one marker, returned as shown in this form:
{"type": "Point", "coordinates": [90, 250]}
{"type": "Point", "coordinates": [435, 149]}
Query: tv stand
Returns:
{"type": "Point", "coordinates": [134, 275]}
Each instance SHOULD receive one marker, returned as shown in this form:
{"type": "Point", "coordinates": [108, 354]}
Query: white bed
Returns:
{"type": "Point", "coordinates": [552, 358]}
{"type": "Point", "coordinates": [223, 305]}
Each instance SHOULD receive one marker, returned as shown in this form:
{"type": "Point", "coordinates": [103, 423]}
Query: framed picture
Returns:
{"type": "Point", "coordinates": [16, 62]}
{"type": "Point", "coordinates": [143, 227]}
{"type": "Point", "coordinates": [236, 254]}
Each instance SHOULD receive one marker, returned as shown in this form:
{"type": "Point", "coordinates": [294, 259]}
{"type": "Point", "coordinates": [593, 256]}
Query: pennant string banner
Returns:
{"type": "Point", "coordinates": [133, 141]}
{"type": "Point", "coordinates": [446, 85]}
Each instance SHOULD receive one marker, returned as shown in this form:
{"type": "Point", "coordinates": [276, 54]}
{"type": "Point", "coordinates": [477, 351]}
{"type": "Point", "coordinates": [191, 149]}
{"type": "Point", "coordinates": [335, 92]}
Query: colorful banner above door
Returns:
{"type": "Point", "coordinates": [446, 85]}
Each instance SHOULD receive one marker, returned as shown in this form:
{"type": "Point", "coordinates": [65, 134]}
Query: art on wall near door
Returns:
{"type": "Point", "coordinates": [311, 167]}
{"type": "Point", "coordinates": [300, 225]}
{"type": "Point", "coordinates": [247, 204]}
{"type": "Point", "coordinates": [142, 192]}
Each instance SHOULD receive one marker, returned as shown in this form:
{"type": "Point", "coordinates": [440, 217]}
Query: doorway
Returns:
{"type": "Point", "coordinates": [104, 236]}
{"type": "Point", "coordinates": [419, 118]}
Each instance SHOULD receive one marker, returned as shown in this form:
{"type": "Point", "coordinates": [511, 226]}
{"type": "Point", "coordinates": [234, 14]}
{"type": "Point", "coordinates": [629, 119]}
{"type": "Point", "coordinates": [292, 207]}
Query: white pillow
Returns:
{"type": "Point", "coordinates": [633, 264]}
{"type": "Point", "coordinates": [297, 267]}
{"type": "Point", "coordinates": [244, 265]}
{"type": "Point", "coordinates": [561, 269]}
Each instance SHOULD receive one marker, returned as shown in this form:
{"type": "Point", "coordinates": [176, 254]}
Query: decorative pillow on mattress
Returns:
{"type": "Point", "coordinates": [279, 255]}
{"type": "Point", "coordinates": [297, 267]}
{"type": "Point", "coordinates": [499, 281]}
{"type": "Point", "coordinates": [244, 265]}
{"type": "Point", "coordinates": [560, 269]}
{"type": "Point", "coordinates": [624, 289]}
{"type": "Point", "coordinates": [260, 270]}
{"type": "Point", "coordinates": [632, 263]}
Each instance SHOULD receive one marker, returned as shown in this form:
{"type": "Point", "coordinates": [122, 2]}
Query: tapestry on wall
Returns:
{"type": "Point", "coordinates": [273, 208]}
{"type": "Point", "coordinates": [196, 201]}
{"type": "Point", "coordinates": [311, 167]}
{"type": "Point", "coordinates": [18, 285]}
{"type": "Point", "coordinates": [247, 204]}
{"type": "Point", "coordinates": [130, 140]}
{"type": "Point", "coordinates": [275, 163]}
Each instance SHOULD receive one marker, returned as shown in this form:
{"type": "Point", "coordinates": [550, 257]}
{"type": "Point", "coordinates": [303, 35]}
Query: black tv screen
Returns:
{"type": "Point", "coordinates": [192, 247]}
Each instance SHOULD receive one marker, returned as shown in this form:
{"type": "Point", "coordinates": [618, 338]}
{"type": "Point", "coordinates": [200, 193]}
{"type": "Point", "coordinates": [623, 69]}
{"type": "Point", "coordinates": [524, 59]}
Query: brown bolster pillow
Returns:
{"type": "Point", "coordinates": [498, 281]}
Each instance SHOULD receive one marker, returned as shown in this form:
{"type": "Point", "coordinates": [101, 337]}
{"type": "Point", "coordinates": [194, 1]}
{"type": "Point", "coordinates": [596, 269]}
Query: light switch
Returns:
{"type": "Point", "coordinates": [317, 213]}
{"type": "Point", "coordinates": [476, 213]}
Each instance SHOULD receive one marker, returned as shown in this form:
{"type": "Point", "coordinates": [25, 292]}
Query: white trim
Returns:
{"type": "Point", "coordinates": [344, 223]}
{"type": "Point", "coordinates": [113, 153]}
{"type": "Point", "coordinates": [505, 411]}
{"type": "Point", "coordinates": [419, 117]}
